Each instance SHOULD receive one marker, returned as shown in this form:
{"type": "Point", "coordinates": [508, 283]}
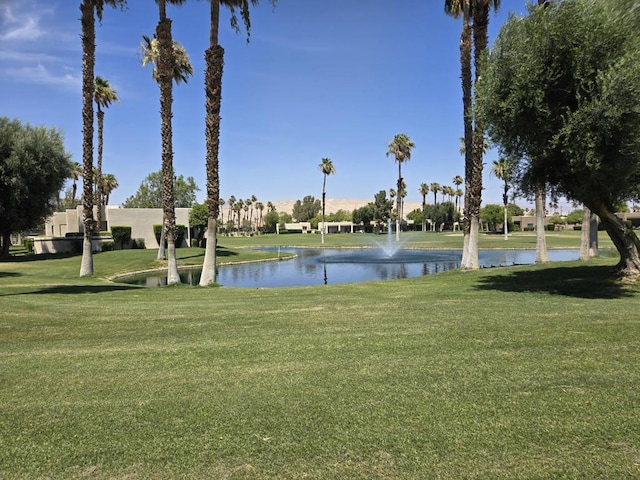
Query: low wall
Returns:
{"type": "Point", "coordinates": [66, 244]}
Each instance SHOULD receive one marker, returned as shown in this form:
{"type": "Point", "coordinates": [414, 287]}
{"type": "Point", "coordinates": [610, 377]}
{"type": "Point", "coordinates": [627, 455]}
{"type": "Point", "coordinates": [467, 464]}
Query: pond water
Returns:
{"type": "Point", "coordinates": [332, 266]}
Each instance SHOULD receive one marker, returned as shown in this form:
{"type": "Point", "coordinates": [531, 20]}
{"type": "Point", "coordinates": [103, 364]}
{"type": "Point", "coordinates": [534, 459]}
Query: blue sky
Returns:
{"type": "Point", "coordinates": [331, 78]}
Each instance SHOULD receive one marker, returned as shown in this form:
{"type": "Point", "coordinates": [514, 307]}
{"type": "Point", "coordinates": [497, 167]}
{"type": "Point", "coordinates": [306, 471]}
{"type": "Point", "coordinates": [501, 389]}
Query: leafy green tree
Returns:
{"type": "Point", "coordinates": [563, 96]}
{"type": "Point", "coordinates": [575, 216]}
{"type": "Point", "coordinates": [363, 215]}
{"type": "Point", "coordinates": [492, 214]}
{"type": "Point", "coordinates": [198, 218]}
{"type": "Point", "coordinates": [305, 210]}
{"type": "Point", "coordinates": [149, 193]}
{"type": "Point", "coordinates": [382, 207]}
{"type": "Point", "coordinates": [442, 215]}
{"type": "Point", "coordinates": [271, 219]}
{"type": "Point", "coordinates": [33, 169]}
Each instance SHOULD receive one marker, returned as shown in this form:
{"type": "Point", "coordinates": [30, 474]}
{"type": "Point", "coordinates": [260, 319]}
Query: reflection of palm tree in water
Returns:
{"type": "Point", "coordinates": [324, 267]}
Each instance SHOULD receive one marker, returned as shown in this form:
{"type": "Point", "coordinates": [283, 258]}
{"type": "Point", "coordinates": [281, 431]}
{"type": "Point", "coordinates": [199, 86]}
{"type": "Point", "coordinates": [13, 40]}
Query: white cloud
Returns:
{"type": "Point", "coordinates": [20, 22]}
{"type": "Point", "coordinates": [41, 75]}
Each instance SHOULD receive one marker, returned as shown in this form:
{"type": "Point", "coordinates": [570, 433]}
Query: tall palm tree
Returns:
{"type": "Point", "coordinates": [260, 208]}
{"type": "Point", "coordinates": [457, 181]}
{"type": "Point", "coordinates": [435, 188]}
{"type": "Point", "coordinates": [109, 184]}
{"type": "Point", "coordinates": [104, 95]}
{"type": "Point", "coordinates": [502, 171]}
{"type": "Point", "coordinates": [214, 59]}
{"type": "Point", "coordinates": [171, 64]}
{"type": "Point", "coordinates": [457, 8]}
{"type": "Point", "coordinates": [89, 10]}
{"type": "Point", "coordinates": [327, 168]}
{"type": "Point", "coordinates": [480, 13]}
{"type": "Point", "coordinates": [424, 190]}
{"type": "Point", "coordinates": [474, 141]}
{"type": "Point", "coordinates": [400, 147]}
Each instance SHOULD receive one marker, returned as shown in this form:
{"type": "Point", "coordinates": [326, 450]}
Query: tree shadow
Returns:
{"type": "Point", "coordinates": [74, 289]}
{"type": "Point", "coordinates": [223, 252]}
{"type": "Point", "coordinates": [581, 282]}
{"type": "Point", "coordinates": [37, 258]}
{"type": "Point", "coordinates": [10, 274]}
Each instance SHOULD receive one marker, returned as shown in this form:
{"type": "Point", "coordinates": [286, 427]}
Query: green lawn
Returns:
{"type": "Point", "coordinates": [504, 373]}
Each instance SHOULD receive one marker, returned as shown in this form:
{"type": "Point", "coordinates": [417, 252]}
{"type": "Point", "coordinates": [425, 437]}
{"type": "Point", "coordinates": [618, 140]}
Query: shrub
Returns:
{"type": "Point", "coordinates": [121, 236]}
{"type": "Point", "coordinates": [551, 227]}
{"type": "Point", "coordinates": [107, 246]}
{"type": "Point", "coordinates": [180, 231]}
{"type": "Point", "coordinates": [138, 243]}
{"type": "Point", "coordinates": [28, 244]}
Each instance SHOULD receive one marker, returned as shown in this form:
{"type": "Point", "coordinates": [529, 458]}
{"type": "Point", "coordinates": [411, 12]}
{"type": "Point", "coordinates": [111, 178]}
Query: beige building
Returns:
{"type": "Point", "coordinates": [141, 221]}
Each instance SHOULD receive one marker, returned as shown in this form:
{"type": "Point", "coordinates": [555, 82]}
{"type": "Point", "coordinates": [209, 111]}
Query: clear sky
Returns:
{"type": "Point", "coordinates": [330, 78]}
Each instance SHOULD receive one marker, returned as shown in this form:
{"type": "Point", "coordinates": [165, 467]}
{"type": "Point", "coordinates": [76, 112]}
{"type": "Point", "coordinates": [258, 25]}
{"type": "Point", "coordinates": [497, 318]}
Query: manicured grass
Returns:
{"type": "Point", "coordinates": [520, 372]}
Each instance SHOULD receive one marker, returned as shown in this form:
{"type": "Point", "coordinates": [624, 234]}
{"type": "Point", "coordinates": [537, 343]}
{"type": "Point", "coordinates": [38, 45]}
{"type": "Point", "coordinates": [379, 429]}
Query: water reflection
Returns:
{"type": "Point", "coordinates": [333, 266]}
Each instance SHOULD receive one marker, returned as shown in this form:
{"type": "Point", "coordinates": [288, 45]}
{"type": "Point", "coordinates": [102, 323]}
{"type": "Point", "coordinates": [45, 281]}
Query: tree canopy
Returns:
{"type": "Point", "coordinates": [561, 92]}
{"type": "Point", "coordinates": [33, 168]}
{"type": "Point", "coordinates": [305, 210]}
{"type": "Point", "coordinates": [149, 194]}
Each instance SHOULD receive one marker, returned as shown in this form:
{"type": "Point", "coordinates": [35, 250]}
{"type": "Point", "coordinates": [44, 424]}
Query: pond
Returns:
{"type": "Point", "coordinates": [322, 266]}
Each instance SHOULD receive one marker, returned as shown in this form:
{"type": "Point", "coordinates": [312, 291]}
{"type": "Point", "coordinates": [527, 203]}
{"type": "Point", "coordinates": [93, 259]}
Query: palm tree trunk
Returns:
{"type": "Point", "coordinates": [165, 69]}
{"type": "Point", "coordinates": [480, 40]}
{"type": "Point", "coordinates": [324, 194]}
{"type": "Point", "coordinates": [465, 63]}
{"type": "Point", "coordinates": [398, 202]}
{"type": "Point", "coordinates": [99, 192]}
{"type": "Point", "coordinates": [214, 59]}
{"type": "Point", "coordinates": [88, 62]}
{"type": "Point", "coordinates": [541, 239]}
{"type": "Point", "coordinates": [505, 201]}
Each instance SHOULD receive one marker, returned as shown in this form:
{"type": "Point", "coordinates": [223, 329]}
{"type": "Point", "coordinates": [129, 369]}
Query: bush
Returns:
{"type": "Point", "coordinates": [138, 243]}
{"type": "Point", "coordinates": [121, 236]}
{"type": "Point", "coordinates": [107, 246]}
{"type": "Point", "coordinates": [180, 232]}
{"type": "Point", "coordinates": [551, 227]}
{"type": "Point", "coordinates": [28, 244]}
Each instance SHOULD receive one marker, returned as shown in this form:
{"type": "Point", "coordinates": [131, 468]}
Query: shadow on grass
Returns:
{"type": "Point", "coordinates": [581, 282]}
{"type": "Point", "coordinates": [10, 274]}
{"type": "Point", "coordinates": [73, 290]}
{"type": "Point", "coordinates": [37, 258]}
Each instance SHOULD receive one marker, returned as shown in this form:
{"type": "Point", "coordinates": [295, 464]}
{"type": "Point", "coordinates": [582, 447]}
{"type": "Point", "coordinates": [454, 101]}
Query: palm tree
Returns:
{"type": "Point", "coordinates": [104, 95]}
{"type": "Point", "coordinates": [260, 208]}
{"type": "Point", "coordinates": [88, 9]}
{"type": "Point", "coordinates": [109, 184]}
{"type": "Point", "coordinates": [400, 147]}
{"type": "Point", "coordinates": [327, 168]}
{"type": "Point", "coordinates": [435, 188]}
{"type": "Point", "coordinates": [171, 64]}
{"type": "Point", "coordinates": [214, 59]}
{"type": "Point", "coordinates": [424, 190]}
{"type": "Point", "coordinates": [76, 173]}
{"type": "Point", "coordinates": [457, 181]}
{"type": "Point", "coordinates": [474, 141]}
{"type": "Point", "coordinates": [502, 171]}
{"type": "Point", "coordinates": [457, 8]}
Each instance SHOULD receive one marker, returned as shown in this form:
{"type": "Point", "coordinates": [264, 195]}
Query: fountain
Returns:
{"type": "Point", "coordinates": [391, 247]}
